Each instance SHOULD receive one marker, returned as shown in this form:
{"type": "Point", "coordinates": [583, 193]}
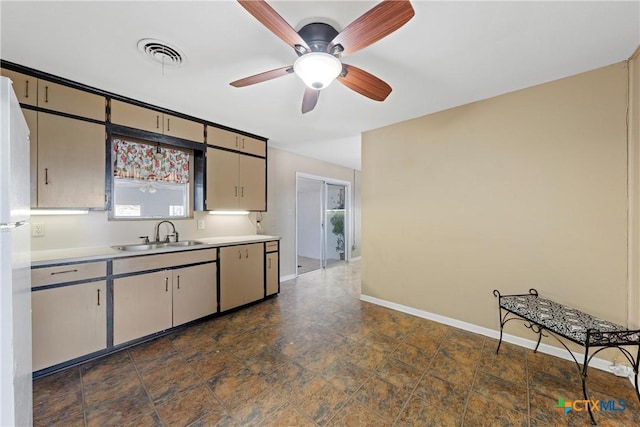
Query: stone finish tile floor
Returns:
{"type": "Point", "coordinates": [318, 356]}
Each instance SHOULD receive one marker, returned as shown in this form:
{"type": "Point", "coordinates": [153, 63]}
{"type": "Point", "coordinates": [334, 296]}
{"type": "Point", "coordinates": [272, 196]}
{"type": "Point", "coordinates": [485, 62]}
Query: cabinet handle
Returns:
{"type": "Point", "coordinates": [236, 191]}
{"type": "Point", "coordinates": [239, 255]}
{"type": "Point", "coordinates": [26, 89]}
{"type": "Point", "coordinates": [166, 284]}
{"type": "Point", "coordinates": [269, 263]}
{"type": "Point", "coordinates": [157, 122]}
{"type": "Point", "coordinates": [46, 176]}
{"type": "Point", "coordinates": [178, 282]}
{"type": "Point", "coordinates": [168, 125]}
{"type": "Point", "coordinates": [246, 253]}
{"type": "Point", "coordinates": [242, 191]}
{"type": "Point", "coordinates": [75, 270]}
{"type": "Point", "coordinates": [236, 142]}
{"type": "Point", "coordinates": [243, 143]}
{"type": "Point", "coordinates": [46, 94]}
{"type": "Point", "coordinates": [98, 296]}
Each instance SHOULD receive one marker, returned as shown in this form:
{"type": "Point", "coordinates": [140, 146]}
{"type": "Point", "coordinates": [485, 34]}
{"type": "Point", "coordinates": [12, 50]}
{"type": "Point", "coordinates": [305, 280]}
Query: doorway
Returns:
{"type": "Point", "coordinates": [322, 215]}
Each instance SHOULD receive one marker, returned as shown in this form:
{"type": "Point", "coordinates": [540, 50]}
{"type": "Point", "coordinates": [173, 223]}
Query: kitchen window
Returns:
{"type": "Point", "coordinates": [150, 180]}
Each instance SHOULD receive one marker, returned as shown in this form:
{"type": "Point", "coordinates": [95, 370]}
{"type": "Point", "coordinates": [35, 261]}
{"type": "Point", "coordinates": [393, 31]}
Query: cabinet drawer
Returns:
{"type": "Point", "coordinates": [67, 273]}
{"type": "Point", "coordinates": [272, 246]}
{"type": "Point", "coordinates": [168, 260]}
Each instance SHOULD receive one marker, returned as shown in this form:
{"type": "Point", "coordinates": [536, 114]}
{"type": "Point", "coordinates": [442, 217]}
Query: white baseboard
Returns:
{"type": "Point", "coordinates": [562, 353]}
{"type": "Point", "coordinates": [288, 277]}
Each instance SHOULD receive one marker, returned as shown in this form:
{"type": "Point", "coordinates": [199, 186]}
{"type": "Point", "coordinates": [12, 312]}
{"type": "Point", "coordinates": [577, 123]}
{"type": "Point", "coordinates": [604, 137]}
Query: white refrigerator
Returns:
{"type": "Point", "coordinates": [16, 400]}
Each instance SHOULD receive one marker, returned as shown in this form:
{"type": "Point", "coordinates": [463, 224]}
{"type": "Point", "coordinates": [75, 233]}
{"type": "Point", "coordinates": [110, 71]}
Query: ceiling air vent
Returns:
{"type": "Point", "coordinates": [161, 52]}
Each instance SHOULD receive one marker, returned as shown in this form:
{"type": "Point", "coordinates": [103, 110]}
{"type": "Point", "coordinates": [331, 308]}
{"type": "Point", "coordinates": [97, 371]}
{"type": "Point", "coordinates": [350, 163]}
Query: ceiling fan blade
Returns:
{"type": "Point", "coordinates": [273, 21]}
{"type": "Point", "coordinates": [364, 83]}
{"type": "Point", "coordinates": [310, 99]}
{"type": "Point", "coordinates": [377, 23]}
{"type": "Point", "coordinates": [262, 77]}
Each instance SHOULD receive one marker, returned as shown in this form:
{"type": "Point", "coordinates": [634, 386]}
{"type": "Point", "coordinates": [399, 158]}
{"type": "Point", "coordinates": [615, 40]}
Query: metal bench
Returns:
{"type": "Point", "coordinates": [574, 325]}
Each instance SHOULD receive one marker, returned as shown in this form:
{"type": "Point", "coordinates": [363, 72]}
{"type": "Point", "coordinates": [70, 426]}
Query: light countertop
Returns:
{"type": "Point", "coordinates": [62, 256]}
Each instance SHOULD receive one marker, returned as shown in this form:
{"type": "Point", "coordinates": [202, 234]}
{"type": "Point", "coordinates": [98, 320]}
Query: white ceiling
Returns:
{"type": "Point", "coordinates": [451, 53]}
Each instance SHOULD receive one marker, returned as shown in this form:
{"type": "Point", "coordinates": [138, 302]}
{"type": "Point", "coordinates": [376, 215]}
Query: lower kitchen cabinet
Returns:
{"type": "Point", "coordinates": [94, 306]}
{"type": "Point", "coordinates": [194, 293]}
{"type": "Point", "coordinates": [142, 305]}
{"type": "Point", "coordinates": [273, 276]}
{"type": "Point", "coordinates": [241, 275]}
{"type": "Point", "coordinates": [68, 322]}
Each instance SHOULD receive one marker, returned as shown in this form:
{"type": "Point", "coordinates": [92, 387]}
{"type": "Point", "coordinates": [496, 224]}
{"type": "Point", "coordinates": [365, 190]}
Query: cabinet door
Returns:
{"type": "Point", "coordinates": [253, 146]}
{"type": "Point", "coordinates": [222, 180]}
{"type": "Point", "coordinates": [71, 163]}
{"type": "Point", "coordinates": [273, 277]}
{"type": "Point", "coordinates": [194, 293]}
{"type": "Point", "coordinates": [32, 122]}
{"type": "Point", "coordinates": [68, 322]}
{"type": "Point", "coordinates": [53, 96]}
{"type": "Point", "coordinates": [253, 183]}
{"type": "Point", "coordinates": [25, 87]}
{"type": "Point", "coordinates": [231, 278]}
{"type": "Point", "coordinates": [222, 138]}
{"type": "Point", "coordinates": [135, 117]}
{"type": "Point", "coordinates": [253, 271]}
{"type": "Point", "coordinates": [142, 305]}
{"type": "Point", "coordinates": [182, 128]}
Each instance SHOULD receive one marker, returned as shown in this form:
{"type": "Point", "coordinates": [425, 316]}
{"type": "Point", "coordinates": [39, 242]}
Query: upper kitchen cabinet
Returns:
{"type": "Point", "coordinates": [235, 141]}
{"type": "Point", "coordinates": [149, 120]}
{"type": "Point", "coordinates": [56, 97]}
{"type": "Point", "coordinates": [25, 87]}
{"type": "Point", "coordinates": [70, 163]}
{"type": "Point", "coordinates": [235, 181]}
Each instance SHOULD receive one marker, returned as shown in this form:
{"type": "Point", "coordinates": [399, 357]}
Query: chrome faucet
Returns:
{"type": "Point", "coordinates": [166, 239]}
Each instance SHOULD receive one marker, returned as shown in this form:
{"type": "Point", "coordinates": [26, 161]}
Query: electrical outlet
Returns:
{"type": "Point", "coordinates": [201, 224]}
{"type": "Point", "coordinates": [37, 230]}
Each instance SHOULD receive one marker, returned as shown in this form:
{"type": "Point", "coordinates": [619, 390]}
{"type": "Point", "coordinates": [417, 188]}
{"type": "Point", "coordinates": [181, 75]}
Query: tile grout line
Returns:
{"type": "Point", "coordinates": [411, 395]}
{"type": "Point", "coordinates": [205, 383]}
{"type": "Point", "coordinates": [153, 404]}
{"type": "Point", "coordinates": [84, 406]}
{"type": "Point", "coordinates": [473, 381]}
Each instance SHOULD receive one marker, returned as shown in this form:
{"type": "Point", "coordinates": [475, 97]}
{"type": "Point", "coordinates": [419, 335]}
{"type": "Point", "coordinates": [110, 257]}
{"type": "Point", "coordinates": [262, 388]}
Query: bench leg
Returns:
{"type": "Point", "coordinates": [500, 341]}
{"type": "Point", "coordinates": [539, 339]}
{"type": "Point", "coordinates": [636, 367]}
{"type": "Point", "coordinates": [583, 376]}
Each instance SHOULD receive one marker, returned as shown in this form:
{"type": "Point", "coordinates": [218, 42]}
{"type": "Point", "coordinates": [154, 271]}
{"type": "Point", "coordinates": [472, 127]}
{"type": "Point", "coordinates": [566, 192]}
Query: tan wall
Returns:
{"type": "Point", "coordinates": [634, 190]}
{"type": "Point", "coordinates": [528, 189]}
{"type": "Point", "coordinates": [280, 219]}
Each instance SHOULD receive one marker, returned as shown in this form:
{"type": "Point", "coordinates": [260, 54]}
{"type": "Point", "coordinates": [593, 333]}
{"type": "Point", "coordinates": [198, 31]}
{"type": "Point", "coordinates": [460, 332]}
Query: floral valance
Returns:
{"type": "Point", "coordinates": [136, 160]}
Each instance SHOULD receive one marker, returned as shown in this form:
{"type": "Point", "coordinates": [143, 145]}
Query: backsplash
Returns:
{"type": "Point", "coordinates": [94, 229]}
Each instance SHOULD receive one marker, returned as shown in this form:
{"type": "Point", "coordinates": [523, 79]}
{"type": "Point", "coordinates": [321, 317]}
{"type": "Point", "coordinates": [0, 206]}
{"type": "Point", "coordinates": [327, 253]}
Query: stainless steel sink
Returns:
{"type": "Point", "coordinates": [150, 246]}
{"type": "Point", "coordinates": [185, 243]}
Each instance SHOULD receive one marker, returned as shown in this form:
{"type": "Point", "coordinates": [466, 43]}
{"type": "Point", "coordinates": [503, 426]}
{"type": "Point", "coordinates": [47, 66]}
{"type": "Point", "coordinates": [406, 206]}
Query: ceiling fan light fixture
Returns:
{"type": "Point", "coordinates": [317, 69]}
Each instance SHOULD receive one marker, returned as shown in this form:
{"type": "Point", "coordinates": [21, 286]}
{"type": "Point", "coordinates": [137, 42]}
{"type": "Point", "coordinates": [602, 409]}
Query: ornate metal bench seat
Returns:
{"type": "Point", "coordinates": [567, 322]}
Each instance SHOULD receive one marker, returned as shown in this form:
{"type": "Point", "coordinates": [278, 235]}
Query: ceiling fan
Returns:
{"type": "Point", "coordinates": [319, 48]}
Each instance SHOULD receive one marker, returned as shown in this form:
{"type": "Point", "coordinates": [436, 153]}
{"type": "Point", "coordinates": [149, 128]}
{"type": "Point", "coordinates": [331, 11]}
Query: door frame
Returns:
{"type": "Point", "coordinates": [348, 220]}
